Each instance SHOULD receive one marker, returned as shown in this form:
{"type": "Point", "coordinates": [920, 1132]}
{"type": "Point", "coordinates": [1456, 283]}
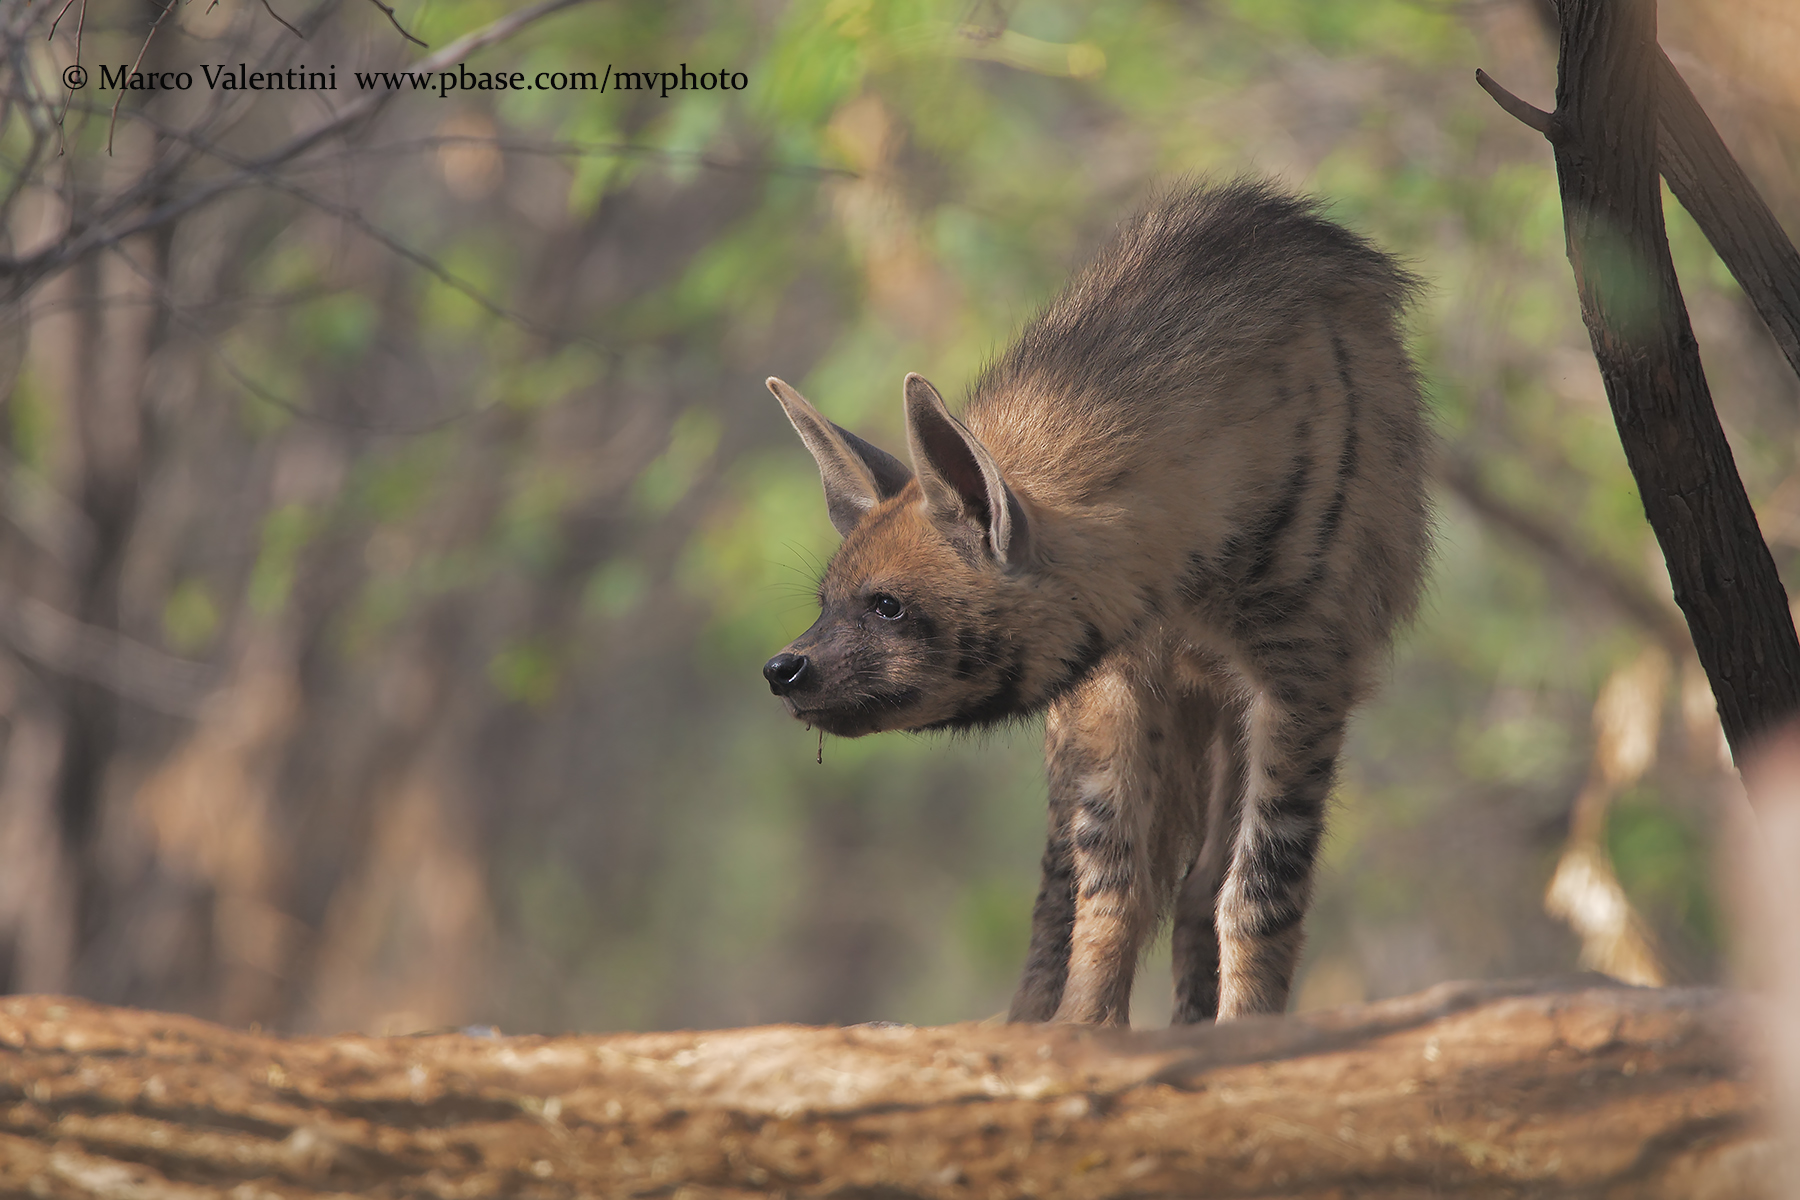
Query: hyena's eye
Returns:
{"type": "Point", "coordinates": [886, 607]}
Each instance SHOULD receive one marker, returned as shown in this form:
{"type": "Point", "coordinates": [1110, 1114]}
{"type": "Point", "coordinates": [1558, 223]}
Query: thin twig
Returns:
{"type": "Point", "coordinates": [752, 166]}
{"type": "Point", "coordinates": [1528, 114]}
{"type": "Point", "coordinates": [354, 217]}
{"type": "Point", "coordinates": [284, 24]}
{"type": "Point", "coordinates": [80, 24]}
{"type": "Point", "coordinates": [396, 22]}
{"type": "Point", "coordinates": [27, 271]}
{"type": "Point", "coordinates": [179, 313]}
{"type": "Point", "coordinates": [142, 50]}
{"type": "Point", "coordinates": [237, 303]}
{"type": "Point", "coordinates": [59, 16]}
{"type": "Point", "coordinates": [419, 258]}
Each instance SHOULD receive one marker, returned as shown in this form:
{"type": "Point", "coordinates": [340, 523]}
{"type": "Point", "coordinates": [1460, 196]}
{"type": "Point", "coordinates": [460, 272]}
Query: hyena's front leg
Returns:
{"type": "Point", "coordinates": [1292, 754]}
{"type": "Point", "coordinates": [1099, 900]}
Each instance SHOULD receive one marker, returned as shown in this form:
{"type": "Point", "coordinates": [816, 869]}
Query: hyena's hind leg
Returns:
{"type": "Point", "coordinates": [1218, 788]}
{"type": "Point", "coordinates": [1100, 896]}
{"type": "Point", "coordinates": [1290, 761]}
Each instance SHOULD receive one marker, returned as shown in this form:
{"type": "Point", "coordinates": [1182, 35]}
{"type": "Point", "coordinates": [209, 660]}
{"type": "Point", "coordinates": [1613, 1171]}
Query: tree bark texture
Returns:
{"type": "Point", "coordinates": [1604, 135]}
{"type": "Point", "coordinates": [1489, 1090]}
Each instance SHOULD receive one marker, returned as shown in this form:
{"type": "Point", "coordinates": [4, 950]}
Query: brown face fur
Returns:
{"type": "Point", "coordinates": [902, 641]}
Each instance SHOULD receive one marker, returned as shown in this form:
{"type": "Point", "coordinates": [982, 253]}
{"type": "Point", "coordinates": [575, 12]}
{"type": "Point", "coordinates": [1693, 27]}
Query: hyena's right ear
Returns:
{"type": "Point", "coordinates": [856, 475]}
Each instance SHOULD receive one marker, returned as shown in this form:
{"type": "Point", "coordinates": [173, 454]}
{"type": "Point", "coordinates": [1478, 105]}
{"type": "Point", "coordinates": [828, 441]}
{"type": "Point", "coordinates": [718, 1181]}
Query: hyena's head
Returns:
{"type": "Point", "coordinates": [917, 604]}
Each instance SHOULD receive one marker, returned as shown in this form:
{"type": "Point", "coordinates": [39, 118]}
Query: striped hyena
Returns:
{"type": "Point", "coordinates": [1181, 515]}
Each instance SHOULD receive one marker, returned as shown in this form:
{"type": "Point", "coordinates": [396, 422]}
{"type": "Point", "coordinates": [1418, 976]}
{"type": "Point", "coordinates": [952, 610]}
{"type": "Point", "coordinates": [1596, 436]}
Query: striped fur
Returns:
{"type": "Point", "coordinates": [1181, 516]}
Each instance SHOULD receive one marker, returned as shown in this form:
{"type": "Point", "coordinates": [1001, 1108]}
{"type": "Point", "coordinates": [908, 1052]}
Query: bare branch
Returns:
{"type": "Point", "coordinates": [1619, 589]}
{"type": "Point", "coordinates": [178, 312]}
{"type": "Point", "coordinates": [486, 36]}
{"type": "Point", "coordinates": [353, 216]}
{"type": "Point", "coordinates": [138, 62]}
{"type": "Point", "coordinates": [396, 22]}
{"type": "Point", "coordinates": [117, 663]}
{"type": "Point", "coordinates": [80, 24]}
{"type": "Point", "coordinates": [558, 149]}
{"type": "Point", "coordinates": [284, 24]}
{"type": "Point", "coordinates": [60, 13]}
{"type": "Point", "coordinates": [1527, 114]}
{"type": "Point", "coordinates": [25, 272]}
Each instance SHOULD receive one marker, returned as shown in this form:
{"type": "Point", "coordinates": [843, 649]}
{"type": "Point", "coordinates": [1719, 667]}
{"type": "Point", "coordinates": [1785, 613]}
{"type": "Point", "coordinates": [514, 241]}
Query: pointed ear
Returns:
{"type": "Point", "coordinates": [856, 475]}
{"type": "Point", "coordinates": [958, 475]}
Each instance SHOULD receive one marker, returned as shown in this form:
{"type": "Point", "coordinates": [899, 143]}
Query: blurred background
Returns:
{"type": "Point", "coordinates": [395, 522]}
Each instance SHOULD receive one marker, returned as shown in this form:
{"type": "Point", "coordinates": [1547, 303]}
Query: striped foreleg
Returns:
{"type": "Point", "coordinates": [1102, 789]}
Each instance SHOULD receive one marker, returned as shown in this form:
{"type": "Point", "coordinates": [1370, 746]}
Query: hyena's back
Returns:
{"type": "Point", "coordinates": [1221, 410]}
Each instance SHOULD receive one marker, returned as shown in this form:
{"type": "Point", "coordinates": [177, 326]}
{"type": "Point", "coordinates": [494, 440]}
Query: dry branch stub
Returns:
{"type": "Point", "coordinates": [1481, 1090]}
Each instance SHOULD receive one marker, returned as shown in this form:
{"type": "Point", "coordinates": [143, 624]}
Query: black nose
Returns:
{"type": "Point", "coordinates": [784, 671]}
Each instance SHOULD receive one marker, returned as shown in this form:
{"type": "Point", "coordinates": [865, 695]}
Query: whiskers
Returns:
{"type": "Point", "coordinates": [799, 584]}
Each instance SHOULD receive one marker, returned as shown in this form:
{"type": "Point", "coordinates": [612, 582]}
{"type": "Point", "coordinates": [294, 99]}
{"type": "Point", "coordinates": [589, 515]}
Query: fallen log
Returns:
{"type": "Point", "coordinates": [1490, 1090]}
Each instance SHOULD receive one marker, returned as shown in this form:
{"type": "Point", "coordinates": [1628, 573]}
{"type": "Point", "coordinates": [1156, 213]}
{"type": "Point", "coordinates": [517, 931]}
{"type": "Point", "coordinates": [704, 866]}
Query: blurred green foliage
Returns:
{"type": "Point", "coordinates": [190, 616]}
{"type": "Point", "coordinates": [560, 481]}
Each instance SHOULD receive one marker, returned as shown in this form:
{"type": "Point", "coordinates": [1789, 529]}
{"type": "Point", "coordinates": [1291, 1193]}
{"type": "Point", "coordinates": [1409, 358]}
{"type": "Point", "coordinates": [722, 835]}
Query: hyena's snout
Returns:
{"type": "Point", "coordinates": [786, 671]}
{"type": "Point", "coordinates": [815, 678]}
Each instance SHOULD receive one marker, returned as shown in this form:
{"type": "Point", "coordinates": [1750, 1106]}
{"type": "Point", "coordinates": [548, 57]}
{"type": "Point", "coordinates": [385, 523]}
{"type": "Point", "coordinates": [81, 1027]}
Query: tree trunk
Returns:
{"type": "Point", "coordinates": [1483, 1090]}
{"type": "Point", "coordinates": [1604, 133]}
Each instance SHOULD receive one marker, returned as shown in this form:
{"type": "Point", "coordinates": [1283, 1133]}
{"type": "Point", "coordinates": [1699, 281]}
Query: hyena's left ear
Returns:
{"type": "Point", "coordinates": [856, 475]}
{"type": "Point", "coordinates": [961, 483]}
